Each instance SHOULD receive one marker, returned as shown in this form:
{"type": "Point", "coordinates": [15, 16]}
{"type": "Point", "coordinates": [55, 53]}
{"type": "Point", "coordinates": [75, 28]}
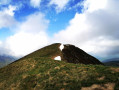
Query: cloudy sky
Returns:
{"type": "Point", "coordinates": [92, 25]}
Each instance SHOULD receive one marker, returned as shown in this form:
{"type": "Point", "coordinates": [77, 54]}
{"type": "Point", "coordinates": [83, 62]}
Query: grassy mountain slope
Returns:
{"type": "Point", "coordinates": [49, 51]}
{"type": "Point", "coordinates": [41, 72]}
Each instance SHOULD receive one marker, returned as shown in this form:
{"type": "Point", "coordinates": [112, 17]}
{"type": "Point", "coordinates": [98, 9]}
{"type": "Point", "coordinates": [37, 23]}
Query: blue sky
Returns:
{"type": "Point", "coordinates": [58, 20]}
{"type": "Point", "coordinates": [27, 25]}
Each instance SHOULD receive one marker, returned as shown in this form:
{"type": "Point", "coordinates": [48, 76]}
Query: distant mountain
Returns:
{"type": "Point", "coordinates": [53, 68]}
{"type": "Point", "coordinates": [112, 62]}
{"type": "Point", "coordinates": [5, 60]}
{"type": "Point", "coordinates": [111, 59]}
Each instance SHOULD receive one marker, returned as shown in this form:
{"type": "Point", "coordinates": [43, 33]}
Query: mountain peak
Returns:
{"type": "Point", "coordinates": [64, 52]}
{"type": "Point", "coordinates": [73, 54]}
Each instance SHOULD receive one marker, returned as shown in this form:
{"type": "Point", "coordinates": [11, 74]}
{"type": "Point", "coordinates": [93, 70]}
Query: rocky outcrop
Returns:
{"type": "Point", "coordinates": [73, 54]}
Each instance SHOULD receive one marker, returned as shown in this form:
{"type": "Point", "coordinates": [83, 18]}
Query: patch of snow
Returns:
{"type": "Point", "coordinates": [57, 58]}
{"type": "Point", "coordinates": [61, 47]}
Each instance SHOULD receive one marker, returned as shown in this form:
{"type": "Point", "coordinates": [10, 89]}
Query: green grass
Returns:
{"type": "Point", "coordinates": [49, 51]}
{"type": "Point", "coordinates": [38, 71]}
{"type": "Point", "coordinates": [47, 74]}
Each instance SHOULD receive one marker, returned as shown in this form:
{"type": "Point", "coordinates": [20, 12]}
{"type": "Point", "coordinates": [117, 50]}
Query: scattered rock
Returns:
{"type": "Point", "coordinates": [101, 78]}
{"type": "Point", "coordinates": [108, 86]}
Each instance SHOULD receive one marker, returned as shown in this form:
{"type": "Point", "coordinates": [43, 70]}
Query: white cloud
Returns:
{"type": "Point", "coordinates": [7, 17]}
{"type": "Point", "coordinates": [60, 4]}
{"type": "Point", "coordinates": [76, 28]}
{"type": "Point", "coordinates": [0, 43]}
{"type": "Point", "coordinates": [30, 35]}
{"type": "Point", "coordinates": [95, 30]}
{"type": "Point", "coordinates": [35, 3]}
{"type": "Point", "coordinates": [34, 24]}
{"type": "Point", "coordinates": [93, 5]}
{"type": "Point", "coordinates": [3, 50]}
{"type": "Point", "coordinates": [23, 43]}
{"type": "Point", "coordinates": [6, 20]}
{"type": "Point", "coordinates": [10, 10]}
{"type": "Point", "coordinates": [4, 2]}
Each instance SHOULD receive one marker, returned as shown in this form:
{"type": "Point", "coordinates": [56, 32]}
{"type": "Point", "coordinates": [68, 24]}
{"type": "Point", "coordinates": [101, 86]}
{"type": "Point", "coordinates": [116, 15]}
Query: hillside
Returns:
{"type": "Point", "coordinates": [39, 71]}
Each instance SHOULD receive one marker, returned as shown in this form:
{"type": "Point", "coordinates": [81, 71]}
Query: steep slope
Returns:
{"type": "Point", "coordinates": [73, 54]}
{"type": "Point", "coordinates": [49, 51]}
{"type": "Point", "coordinates": [39, 71]}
